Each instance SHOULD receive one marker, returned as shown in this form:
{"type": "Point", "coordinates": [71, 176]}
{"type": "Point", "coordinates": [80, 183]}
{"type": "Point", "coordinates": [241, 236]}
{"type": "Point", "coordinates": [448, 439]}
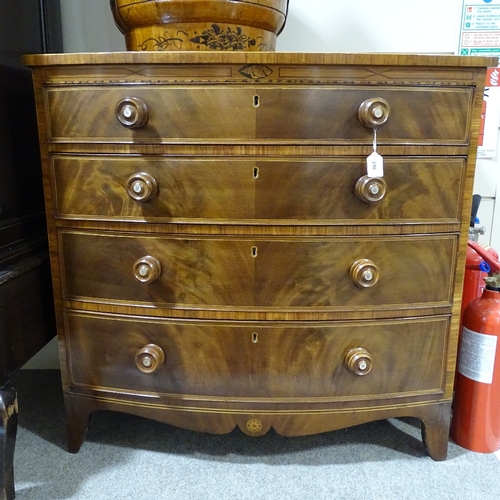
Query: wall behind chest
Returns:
{"type": "Point", "coordinates": [367, 26]}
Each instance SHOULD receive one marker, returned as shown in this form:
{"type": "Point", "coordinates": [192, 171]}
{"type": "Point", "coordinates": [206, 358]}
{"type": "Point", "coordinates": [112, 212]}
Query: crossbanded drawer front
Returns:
{"type": "Point", "coordinates": [247, 273]}
{"type": "Point", "coordinates": [229, 190]}
{"type": "Point", "coordinates": [154, 114]}
{"type": "Point", "coordinates": [256, 360]}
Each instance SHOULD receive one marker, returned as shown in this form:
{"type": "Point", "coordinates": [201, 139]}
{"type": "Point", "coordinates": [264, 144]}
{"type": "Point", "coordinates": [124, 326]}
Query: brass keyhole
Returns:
{"type": "Point", "coordinates": [255, 337]}
{"type": "Point", "coordinates": [254, 252]}
{"type": "Point", "coordinates": [255, 172]}
{"type": "Point", "coordinates": [256, 101]}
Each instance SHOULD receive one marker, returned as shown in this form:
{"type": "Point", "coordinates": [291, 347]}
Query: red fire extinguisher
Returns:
{"type": "Point", "coordinates": [476, 405]}
{"type": "Point", "coordinates": [476, 269]}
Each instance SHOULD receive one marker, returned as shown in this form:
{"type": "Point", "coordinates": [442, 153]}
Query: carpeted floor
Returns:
{"type": "Point", "coordinates": [125, 457]}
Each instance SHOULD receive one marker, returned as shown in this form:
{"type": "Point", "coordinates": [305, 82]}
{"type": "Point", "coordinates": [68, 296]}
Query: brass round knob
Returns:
{"type": "Point", "coordinates": [142, 186]}
{"type": "Point", "coordinates": [371, 189]}
{"type": "Point", "coordinates": [149, 358]}
{"type": "Point", "coordinates": [374, 112]}
{"type": "Point", "coordinates": [132, 112]}
{"type": "Point", "coordinates": [364, 273]}
{"type": "Point", "coordinates": [147, 269]}
{"type": "Point", "coordinates": [359, 361]}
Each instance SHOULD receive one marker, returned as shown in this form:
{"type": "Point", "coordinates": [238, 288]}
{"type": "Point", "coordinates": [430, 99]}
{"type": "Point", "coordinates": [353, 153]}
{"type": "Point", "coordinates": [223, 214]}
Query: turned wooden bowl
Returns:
{"type": "Point", "coordinates": [200, 24]}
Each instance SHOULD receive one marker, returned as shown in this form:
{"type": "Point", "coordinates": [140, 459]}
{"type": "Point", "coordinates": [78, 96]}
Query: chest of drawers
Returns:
{"type": "Point", "coordinates": [220, 257]}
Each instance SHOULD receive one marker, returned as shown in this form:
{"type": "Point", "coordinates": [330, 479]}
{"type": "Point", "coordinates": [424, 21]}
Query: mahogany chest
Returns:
{"type": "Point", "coordinates": [222, 254]}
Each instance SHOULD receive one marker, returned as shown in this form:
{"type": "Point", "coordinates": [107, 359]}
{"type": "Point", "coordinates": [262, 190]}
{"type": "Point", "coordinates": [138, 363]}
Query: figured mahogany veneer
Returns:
{"type": "Point", "coordinates": [245, 360]}
{"type": "Point", "coordinates": [243, 189]}
{"type": "Point", "coordinates": [220, 257]}
{"type": "Point", "coordinates": [256, 273]}
{"type": "Point", "coordinates": [258, 114]}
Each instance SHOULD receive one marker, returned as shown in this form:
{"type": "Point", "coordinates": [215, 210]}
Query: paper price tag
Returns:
{"type": "Point", "coordinates": [375, 165]}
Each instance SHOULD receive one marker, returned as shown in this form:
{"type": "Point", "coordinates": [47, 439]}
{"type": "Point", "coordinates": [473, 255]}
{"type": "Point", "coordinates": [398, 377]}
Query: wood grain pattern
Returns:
{"type": "Point", "coordinates": [194, 114]}
{"type": "Point", "coordinates": [405, 64]}
{"type": "Point", "coordinates": [264, 190]}
{"type": "Point", "coordinates": [256, 272]}
{"type": "Point", "coordinates": [304, 362]}
{"type": "Point", "coordinates": [255, 223]}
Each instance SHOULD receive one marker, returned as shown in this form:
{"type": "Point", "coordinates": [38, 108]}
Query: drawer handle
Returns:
{"type": "Point", "coordinates": [147, 269]}
{"type": "Point", "coordinates": [359, 361]}
{"type": "Point", "coordinates": [132, 112]}
{"type": "Point", "coordinates": [142, 187]}
{"type": "Point", "coordinates": [371, 189]}
{"type": "Point", "coordinates": [149, 358]}
{"type": "Point", "coordinates": [364, 273]}
{"type": "Point", "coordinates": [374, 112]}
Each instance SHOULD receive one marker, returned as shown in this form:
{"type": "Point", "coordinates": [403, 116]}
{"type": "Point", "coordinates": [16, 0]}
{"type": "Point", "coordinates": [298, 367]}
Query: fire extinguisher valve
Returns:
{"type": "Point", "coordinates": [485, 267]}
{"type": "Point", "coordinates": [493, 282]}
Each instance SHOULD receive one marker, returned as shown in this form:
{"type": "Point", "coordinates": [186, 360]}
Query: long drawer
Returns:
{"type": "Point", "coordinates": [256, 360]}
{"type": "Point", "coordinates": [423, 115]}
{"type": "Point", "coordinates": [259, 272]}
{"type": "Point", "coordinates": [231, 190]}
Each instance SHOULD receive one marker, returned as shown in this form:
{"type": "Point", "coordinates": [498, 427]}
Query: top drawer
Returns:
{"type": "Point", "coordinates": [170, 114]}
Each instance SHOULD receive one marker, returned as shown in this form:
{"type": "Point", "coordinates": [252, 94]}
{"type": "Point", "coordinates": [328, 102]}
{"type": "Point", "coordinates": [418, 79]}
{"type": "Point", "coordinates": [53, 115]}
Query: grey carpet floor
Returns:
{"type": "Point", "coordinates": [126, 457]}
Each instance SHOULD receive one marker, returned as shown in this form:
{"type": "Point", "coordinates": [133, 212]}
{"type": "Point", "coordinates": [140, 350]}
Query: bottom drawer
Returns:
{"type": "Point", "coordinates": [256, 360]}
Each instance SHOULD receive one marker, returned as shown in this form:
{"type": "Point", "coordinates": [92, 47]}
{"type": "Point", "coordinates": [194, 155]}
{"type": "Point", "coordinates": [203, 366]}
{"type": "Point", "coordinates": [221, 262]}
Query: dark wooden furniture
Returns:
{"type": "Point", "coordinates": [26, 306]}
{"type": "Point", "coordinates": [220, 257]}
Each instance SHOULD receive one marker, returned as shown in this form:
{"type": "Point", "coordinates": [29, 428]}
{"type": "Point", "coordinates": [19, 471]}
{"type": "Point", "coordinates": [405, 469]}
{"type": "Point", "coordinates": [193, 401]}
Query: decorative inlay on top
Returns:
{"type": "Point", "coordinates": [217, 39]}
{"type": "Point", "coordinates": [164, 42]}
{"type": "Point", "coordinates": [214, 38]}
{"type": "Point", "coordinates": [255, 71]}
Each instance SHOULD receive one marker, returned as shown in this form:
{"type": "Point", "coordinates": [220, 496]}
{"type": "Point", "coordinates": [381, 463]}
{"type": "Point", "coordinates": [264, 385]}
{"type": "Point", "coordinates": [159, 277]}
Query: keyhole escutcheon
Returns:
{"type": "Point", "coordinates": [254, 252]}
{"type": "Point", "coordinates": [255, 337]}
{"type": "Point", "coordinates": [255, 172]}
{"type": "Point", "coordinates": [256, 101]}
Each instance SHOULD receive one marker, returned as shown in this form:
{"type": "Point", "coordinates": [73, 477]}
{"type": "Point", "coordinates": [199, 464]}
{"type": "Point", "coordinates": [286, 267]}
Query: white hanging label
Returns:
{"type": "Point", "coordinates": [477, 356]}
{"type": "Point", "coordinates": [375, 165]}
{"type": "Point", "coordinates": [375, 162]}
